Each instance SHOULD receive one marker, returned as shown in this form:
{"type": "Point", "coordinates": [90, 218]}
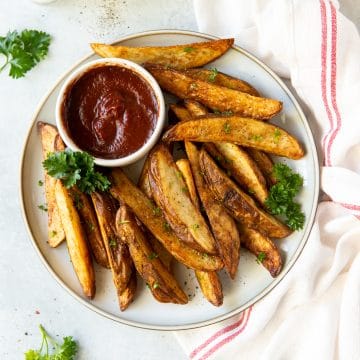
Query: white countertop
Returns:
{"type": "Point", "coordinates": [28, 294]}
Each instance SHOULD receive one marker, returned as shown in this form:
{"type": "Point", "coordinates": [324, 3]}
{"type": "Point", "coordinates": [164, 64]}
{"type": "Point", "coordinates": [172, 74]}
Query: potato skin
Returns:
{"type": "Point", "coordinates": [124, 190]}
{"type": "Point", "coordinates": [177, 56]}
{"type": "Point", "coordinates": [257, 243]}
{"type": "Point", "coordinates": [215, 97]}
{"type": "Point", "coordinates": [91, 226]}
{"type": "Point", "coordinates": [75, 240]}
{"type": "Point", "coordinates": [238, 130]}
{"type": "Point", "coordinates": [264, 163]}
{"type": "Point", "coordinates": [127, 296]}
{"type": "Point", "coordinates": [51, 142]}
{"type": "Point", "coordinates": [240, 205]}
{"type": "Point", "coordinates": [161, 282]}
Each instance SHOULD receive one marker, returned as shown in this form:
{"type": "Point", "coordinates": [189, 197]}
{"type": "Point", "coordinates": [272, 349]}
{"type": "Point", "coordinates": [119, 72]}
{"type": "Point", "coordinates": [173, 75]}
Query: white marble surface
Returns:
{"type": "Point", "coordinates": [28, 294]}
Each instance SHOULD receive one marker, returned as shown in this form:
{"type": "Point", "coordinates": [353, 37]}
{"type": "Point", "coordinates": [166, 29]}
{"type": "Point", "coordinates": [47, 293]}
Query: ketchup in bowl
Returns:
{"type": "Point", "coordinates": [110, 111]}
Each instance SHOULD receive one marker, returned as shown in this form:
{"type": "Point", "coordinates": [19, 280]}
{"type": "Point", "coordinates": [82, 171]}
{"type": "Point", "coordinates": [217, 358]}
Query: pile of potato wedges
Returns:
{"type": "Point", "coordinates": [199, 209]}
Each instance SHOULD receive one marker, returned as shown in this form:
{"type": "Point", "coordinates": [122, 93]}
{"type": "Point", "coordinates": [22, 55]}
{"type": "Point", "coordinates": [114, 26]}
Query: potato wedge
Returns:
{"type": "Point", "coordinates": [242, 168]}
{"type": "Point", "coordinates": [151, 269]}
{"type": "Point", "coordinates": [209, 281]}
{"type": "Point", "coordinates": [222, 224]}
{"type": "Point", "coordinates": [171, 195]}
{"type": "Point", "coordinates": [264, 163]}
{"type": "Point", "coordinates": [177, 56]}
{"type": "Point", "coordinates": [118, 254]}
{"type": "Point", "coordinates": [263, 248]}
{"type": "Point", "coordinates": [127, 296]}
{"type": "Point", "coordinates": [195, 109]}
{"type": "Point", "coordinates": [221, 79]}
{"type": "Point", "coordinates": [210, 286]}
{"type": "Point", "coordinates": [91, 225]}
{"type": "Point", "coordinates": [242, 131]}
{"type": "Point", "coordinates": [240, 205]}
{"type": "Point", "coordinates": [124, 190]}
{"type": "Point", "coordinates": [181, 113]}
{"type": "Point", "coordinates": [215, 97]}
{"type": "Point", "coordinates": [75, 240]}
{"type": "Point", "coordinates": [143, 182]}
{"type": "Point", "coordinates": [184, 167]}
{"type": "Point", "coordinates": [51, 142]}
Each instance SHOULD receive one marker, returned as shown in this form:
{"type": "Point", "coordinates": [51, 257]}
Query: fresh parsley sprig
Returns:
{"type": "Point", "coordinates": [65, 351]}
{"type": "Point", "coordinates": [23, 50]}
{"type": "Point", "coordinates": [281, 196]}
{"type": "Point", "coordinates": [76, 168]}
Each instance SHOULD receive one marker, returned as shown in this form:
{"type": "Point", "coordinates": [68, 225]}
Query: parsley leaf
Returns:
{"type": "Point", "coordinates": [213, 74]}
{"type": "Point", "coordinates": [261, 257]}
{"type": "Point", "coordinates": [281, 196]}
{"type": "Point", "coordinates": [76, 167]}
{"type": "Point", "coordinates": [65, 351]}
{"type": "Point", "coordinates": [23, 51]}
{"type": "Point", "coordinates": [188, 49]}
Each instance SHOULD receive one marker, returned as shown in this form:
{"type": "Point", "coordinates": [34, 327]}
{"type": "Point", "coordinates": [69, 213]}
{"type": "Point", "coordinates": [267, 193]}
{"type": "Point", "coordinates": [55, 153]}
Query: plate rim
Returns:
{"type": "Point", "coordinates": [215, 319]}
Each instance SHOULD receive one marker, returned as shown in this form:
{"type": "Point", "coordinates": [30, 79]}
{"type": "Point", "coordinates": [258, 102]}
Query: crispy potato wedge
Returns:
{"type": "Point", "coordinates": [177, 56]}
{"type": "Point", "coordinates": [124, 190]}
{"type": "Point", "coordinates": [264, 163]}
{"type": "Point", "coordinates": [181, 113]}
{"type": "Point", "coordinates": [151, 269]}
{"type": "Point", "coordinates": [222, 224]}
{"type": "Point", "coordinates": [184, 167]}
{"type": "Point", "coordinates": [118, 254]}
{"type": "Point", "coordinates": [51, 142]}
{"type": "Point", "coordinates": [210, 286]}
{"type": "Point", "coordinates": [242, 131]}
{"type": "Point", "coordinates": [240, 205]}
{"type": "Point", "coordinates": [143, 182]}
{"type": "Point", "coordinates": [221, 79]}
{"type": "Point", "coordinates": [75, 240]}
{"type": "Point", "coordinates": [171, 195]}
{"type": "Point", "coordinates": [258, 243]}
{"type": "Point", "coordinates": [209, 281]}
{"type": "Point", "coordinates": [91, 225]}
{"type": "Point", "coordinates": [215, 97]}
{"type": "Point", "coordinates": [242, 167]}
{"type": "Point", "coordinates": [195, 109]}
{"type": "Point", "coordinates": [127, 296]}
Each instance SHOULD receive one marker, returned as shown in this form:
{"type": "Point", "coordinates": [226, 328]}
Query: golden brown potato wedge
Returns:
{"type": "Point", "coordinates": [221, 79]}
{"type": "Point", "coordinates": [51, 142]}
{"type": "Point", "coordinates": [209, 281]}
{"type": "Point", "coordinates": [171, 195]}
{"type": "Point", "coordinates": [120, 261]}
{"type": "Point", "coordinates": [91, 225]}
{"type": "Point", "coordinates": [127, 296]}
{"type": "Point", "coordinates": [240, 205]}
{"type": "Point", "coordinates": [151, 269]}
{"type": "Point", "coordinates": [242, 131]}
{"type": "Point", "coordinates": [181, 113]}
{"type": "Point", "coordinates": [210, 286]}
{"type": "Point", "coordinates": [184, 167]}
{"type": "Point", "coordinates": [222, 224]}
{"type": "Point", "coordinates": [263, 248]}
{"type": "Point", "coordinates": [215, 97]}
{"type": "Point", "coordinates": [177, 56]}
{"type": "Point", "coordinates": [143, 181]}
{"type": "Point", "coordinates": [75, 240]}
{"type": "Point", "coordinates": [195, 108]}
{"type": "Point", "coordinates": [264, 163]}
{"type": "Point", "coordinates": [124, 190]}
{"type": "Point", "coordinates": [241, 167]}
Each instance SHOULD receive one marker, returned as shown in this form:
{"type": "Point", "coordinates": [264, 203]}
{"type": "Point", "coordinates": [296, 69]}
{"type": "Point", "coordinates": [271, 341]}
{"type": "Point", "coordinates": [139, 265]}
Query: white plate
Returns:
{"type": "Point", "coordinates": [252, 282]}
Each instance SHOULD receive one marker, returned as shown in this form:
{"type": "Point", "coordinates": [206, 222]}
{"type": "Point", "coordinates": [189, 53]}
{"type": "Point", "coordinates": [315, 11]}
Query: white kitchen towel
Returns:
{"type": "Point", "coordinates": [314, 313]}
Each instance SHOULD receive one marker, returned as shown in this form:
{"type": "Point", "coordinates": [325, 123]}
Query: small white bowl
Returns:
{"type": "Point", "coordinates": [141, 72]}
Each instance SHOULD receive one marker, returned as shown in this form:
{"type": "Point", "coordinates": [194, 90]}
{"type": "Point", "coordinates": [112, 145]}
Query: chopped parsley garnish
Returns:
{"type": "Point", "coordinates": [76, 167]}
{"type": "Point", "coordinates": [90, 225]}
{"type": "Point", "coordinates": [40, 183]}
{"type": "Point", "coordinates": [112, 242]}
{"type": "Point", "coordinates": [157, 211]}
{"type": "Point", "coordinates": [23, 50]}
{"type": "Point", "coordinates": [166, 226]}
{"type": "Point", "coordinates": [43, 207]}
{"type": "Point", "coordinates": [77, 201]}
{"type": "Point", "coordinates": [227, 113]}
{"type": "Point", "coordinates": [277, 135]}
{"type": "Point", "coordinates": [257, 137]}
{"type": "Point", "coordinates": [227, 128]}
{"type": "Point", "coordinates": [213, 74]}
{"type": "Point", "coordinates": [153, 256]}
{"type": "Point", "coordinates": [195, 226]}
{"type": "Point", "coordinates": [155, 285]}
{"type": "Point", "coordinates": [281, 196]}
{"type": "Point", "coordinates": [65, 351]}
{"type": "Point", "coordinates": [188, 49]}
{"type": "Point", "coordinates": [53, 233]}
{"type": "Point", "coordinates": [184, 189]}
{"type": "Point", "coordinates": [261, 257]}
